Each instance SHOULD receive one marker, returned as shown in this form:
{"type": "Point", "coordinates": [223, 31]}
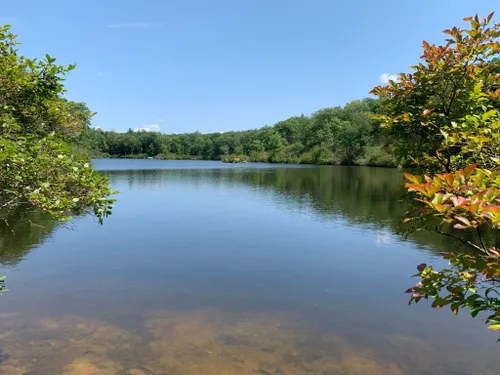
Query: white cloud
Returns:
{"type": "Point", "coordinates": [386, 77]}
{"type": "Point", "coordinates": [160, 119]}
{"type": "Point", "coordinates": [148, 128]}
{"type": "Point", "coordinates": [383, 237]}
{"type": "Point", "coordinates": [135, 25]}
{"type": "Point", "coordinates": [100, 74]}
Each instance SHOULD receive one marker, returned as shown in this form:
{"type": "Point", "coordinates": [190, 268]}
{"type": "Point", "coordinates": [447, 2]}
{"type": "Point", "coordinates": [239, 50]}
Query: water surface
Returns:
{"type": "Point", "coordinates": [212, 268]}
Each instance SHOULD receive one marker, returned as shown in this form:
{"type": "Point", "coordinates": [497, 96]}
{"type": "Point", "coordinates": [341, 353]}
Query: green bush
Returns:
{"type": "Point", "coordinates": [324, 155]}
{"type": "Point", "coordinates": [377, 156]}
{"type": "Point", "coordinates": [233, 158]}
{"type": "Point", "coordinates": [289, 154]}
{"type": "Point", "coordinates": [260, 157]}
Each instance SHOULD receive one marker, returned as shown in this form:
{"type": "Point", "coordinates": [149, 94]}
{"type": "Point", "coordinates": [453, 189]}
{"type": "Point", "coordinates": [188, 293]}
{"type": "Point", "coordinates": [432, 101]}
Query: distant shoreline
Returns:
{"type": "Point", "coordinates": [248, 161]}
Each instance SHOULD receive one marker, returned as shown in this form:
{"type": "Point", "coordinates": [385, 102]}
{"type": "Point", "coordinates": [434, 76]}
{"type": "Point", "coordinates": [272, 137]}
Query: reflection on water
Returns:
{"type": "Point", "coordinates": [366, 196]}
{"type": "Point", "coordinates": [219, 269]}
{"type": "Point", "coordinates": [20, 230]}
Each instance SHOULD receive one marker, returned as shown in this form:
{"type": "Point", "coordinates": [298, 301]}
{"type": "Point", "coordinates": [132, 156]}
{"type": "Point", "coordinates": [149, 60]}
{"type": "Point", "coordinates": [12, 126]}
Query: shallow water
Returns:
{"type": "Point", "coordinates": [209, 268]}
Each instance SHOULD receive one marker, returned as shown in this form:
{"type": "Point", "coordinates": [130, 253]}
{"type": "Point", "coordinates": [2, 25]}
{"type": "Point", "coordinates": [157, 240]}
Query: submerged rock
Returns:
{"type": "Point", "coordinates": [81, 367]}
{"type": "Point", "coordinates": [267, 368]}
{"type": "Point", "coordinates": [136, 371]}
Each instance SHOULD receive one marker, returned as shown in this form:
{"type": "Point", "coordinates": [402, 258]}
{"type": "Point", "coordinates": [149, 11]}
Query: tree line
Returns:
{"type": "Point", "coordinates": [346, 135]}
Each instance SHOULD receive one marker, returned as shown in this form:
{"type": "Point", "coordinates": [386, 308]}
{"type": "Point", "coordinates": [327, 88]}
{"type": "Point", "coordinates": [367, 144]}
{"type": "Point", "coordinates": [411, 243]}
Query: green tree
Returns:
{"type": "Point", "coordinates": [293, 129]}
{"type": "Point", "coordinates": [274, 142]}
{"type": "Point", "coordinates": [347, 135]}
{"type": "Point", "coordinates": [447, 127]}
{"type": "Point", "coordinates": [255, 146]}
{"type": "Point", "coordinates": [437, 94]}
{"type": "Point", "coordinates": [92, 140]}
{"type": "Point", "coordinates": [37, 168]}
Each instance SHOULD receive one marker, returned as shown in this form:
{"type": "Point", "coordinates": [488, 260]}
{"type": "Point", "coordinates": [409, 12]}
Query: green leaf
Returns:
{"type": "Point", "coordinates": [455, 307]}
{"type": "Point", "coordinates": [474, 312]}
{"type": "Point", "coordinates": [440, 302]}
{"type": "Point", "coordinates": [495, 327]}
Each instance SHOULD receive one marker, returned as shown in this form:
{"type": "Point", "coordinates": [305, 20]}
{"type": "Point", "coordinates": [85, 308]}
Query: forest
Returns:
{"type": "Point", "coordinates": [346, 135]}
{"type": "Point", "coordinates": [349, 135]}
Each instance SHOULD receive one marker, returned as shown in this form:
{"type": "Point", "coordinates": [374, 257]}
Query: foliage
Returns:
{"type": "Point", "coordinates": [329, 136]}
{"type": "Point", "coordinates": [37, 168]}
{"type": "Point", "coordinates": [432, 111]}
{"type": "Point", "coordinates": [471, 282]}
{"type": "Point", "coordinates": [259, 156]}
{"type": "Point", "coordinates": [377, 156]}
{"type": "Point", "coordinates": [36, 165]}
{"type": "Point", "coordinates": [42, 172]}
{"type": "Point", "coordinates": [469, 198]}
{"type": "Point", "coordinates": [446, 122]}
{"type": "Point", "coordinates": [235, 158]}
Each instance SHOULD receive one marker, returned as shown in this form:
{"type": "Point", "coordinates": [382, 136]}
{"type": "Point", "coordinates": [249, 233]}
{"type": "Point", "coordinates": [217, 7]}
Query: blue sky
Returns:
{"type": "Point", "coordinates": [219, 65]}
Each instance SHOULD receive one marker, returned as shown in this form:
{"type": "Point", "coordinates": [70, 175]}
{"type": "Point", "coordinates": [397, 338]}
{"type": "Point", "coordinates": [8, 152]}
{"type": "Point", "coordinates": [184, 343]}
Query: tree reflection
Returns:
{"type": "Point", "coordinates": [21, 229]}
{"type": "Point", "coordinates": [360, 195]}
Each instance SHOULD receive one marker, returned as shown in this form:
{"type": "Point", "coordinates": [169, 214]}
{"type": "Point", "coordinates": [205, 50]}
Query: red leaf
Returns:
{"type": "Point", "coordinates": [463, 220]}
{"type": "Point", "coordinates": [412, 178]}
{"type": "Point", "coordinates": [415, 187]}
{"type": "Point", "coordinates": [425, 202]}
{"type": "Point", "coordinates": [441, 207]}
{"type": "Point", "coordinates": [492, 208]}
{"type": "Point", "coordinates": [468, 170]}
{"type": "Point", "coordinates": [458, 201]}
{"type": "Point", "coordinates": [449, 178]}
{"type": "Point", "coordinates": [432, 190]}
{"type": "Point", "coordinates": [421, 267]}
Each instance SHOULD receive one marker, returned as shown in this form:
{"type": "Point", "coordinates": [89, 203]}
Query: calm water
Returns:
{"type": "Point", "coordinates": [211, 268]}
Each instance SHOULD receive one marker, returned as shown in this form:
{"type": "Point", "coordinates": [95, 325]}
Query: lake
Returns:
{"type": "Point", "coordinates": [212, 268]}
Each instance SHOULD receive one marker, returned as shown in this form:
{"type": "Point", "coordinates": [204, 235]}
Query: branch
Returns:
{"type": "Point", "coordinates": [481, 239]}
{"type": "Point", "coordinates": [445, 165]}
{"type": "Point", "coordinates": [8, 226]}
{"type": "Point", "coordinates": [9, 202]}
{"type": "Point", "coordinates": [462, 240]}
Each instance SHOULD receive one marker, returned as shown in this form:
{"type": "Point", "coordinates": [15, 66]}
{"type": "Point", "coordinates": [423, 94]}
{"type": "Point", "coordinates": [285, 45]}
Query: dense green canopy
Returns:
{"type": "Point", "coordinates": [347, 135]}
